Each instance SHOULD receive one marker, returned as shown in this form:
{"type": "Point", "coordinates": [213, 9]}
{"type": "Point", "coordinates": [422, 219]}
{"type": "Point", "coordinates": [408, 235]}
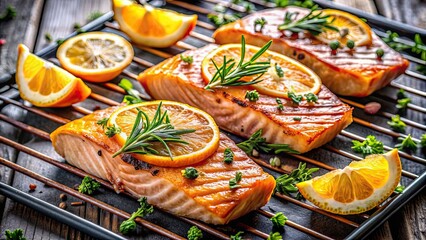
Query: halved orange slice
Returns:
{"type": "Point", "coordinates": [350, 27]}
{"type": "Point", "coordinates": [45, 85]}
{"type": "Point", "coordinates": [95, 56]}
{"type": "Point", "coordinates": [202, 143]}
{"type": "Point", "coordinates": [358, 187]}
{"type": "Point", "coordinates": [284, 74]}
{"type": "Point", "coordinates": [152, 27]}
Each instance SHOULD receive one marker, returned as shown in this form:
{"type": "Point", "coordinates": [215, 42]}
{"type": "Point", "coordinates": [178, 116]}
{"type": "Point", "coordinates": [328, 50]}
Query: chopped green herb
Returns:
{"type": "Point", "coordinates": [194, 233]}
{"type": "Point", "coordinates": [423, 141]}
{"type": "Point", "coordinates": [188, 59]}
{"type": "Point", "coordinates": [279, 70]}
{"type": "Point", "coordinates": [350, 44]}
{"type": "Point", "coordinates": [190, 173]}
{"type": "Point", "coordinates": [220, 19]}
{"type": "Point", "coordinates": [103, 122]}
{"type": "Point", "coordinates": [275, 161]}
{"type": "Point", "coordinates": [258, 143]}
{"type": "Point", "coordinates": [237, 236]}
{"type": "Point", "coordinates": [17, 234]}
{"type": "Point", "coordinates": [295, 98]}
{"type": "Point", "coordinates": [48, 37]}
{"type": "Point", "coordinates": [130, 225]}
{"type": "Point", "coordinates": [228, 156]}
{"type": "Point", "coordinates": [132, 96]}
{"type": "Point", "coordinates": [60, 41]}
{"type": "Point", "coordinates": [403, 103]}
{"type": "Point", "coordinates": [380, 53]}
{"type": "Point", "coordinates": [310, 97]}
{"type": "Point", "coordinates": [334, 45]}
{"type": "Point", "coordinates": [369, 146]}
{"type": "Point", "coordinates": [278, 220]}
{"type": "Point", "coordinates": [94, 15]}
{"type": "Point", "coordinates": [299, 3]}
{"type": "Point", "coordinates": [407, 143]}
{"type": "Point", "coordinates": [396, 123]}
{"type": "Point", "coordinates": [252, 95]}
{"type": "Point", "coordinates": [248, 6]}
{"type": "Point", "coordinates": [76, 26]}
{"type": "Point", "coordinates": [88, 185]}
{"type": "Point", "coordinates": [233, 182]}
{"type": "Point", "coordinates": [280, 104]}
{"type": "Point", "coordinates": [399, 189]}
{"type": "Point", "coordinates": [297, 118]}
{"type": "Point", "coordinates": [259, 22]}
{"type": "Point", "coordinates": [112, 130]}
{"type": "Point", "coordinates": [275, 236]}
{"type": "Point", "coordinates": [9, 14]}
{"type": "Point", "coordinates": [286, 183]}
{"type": "Point", "coordinates": [401, 94]}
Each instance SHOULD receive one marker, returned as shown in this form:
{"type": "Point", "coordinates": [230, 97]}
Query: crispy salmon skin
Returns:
{"type": "Point", "coordinates": [208, 198]}
{"type": "Point", "coordinates": [358, 72]}
{"type": "Point", "coordinates": [303, 127]}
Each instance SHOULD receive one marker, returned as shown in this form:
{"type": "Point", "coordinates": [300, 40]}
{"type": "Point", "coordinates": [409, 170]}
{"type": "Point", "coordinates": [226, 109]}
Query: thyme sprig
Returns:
{"type": "Point", "coordinates": [230, 74]}
{"type": "Point", "coordinates": [146, 131]}
{"type": "Point", "coordinates": [314, 22]}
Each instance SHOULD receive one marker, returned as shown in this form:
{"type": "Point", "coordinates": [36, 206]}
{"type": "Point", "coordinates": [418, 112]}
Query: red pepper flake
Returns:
{"type": "Point", "coordinates": [32, 187]}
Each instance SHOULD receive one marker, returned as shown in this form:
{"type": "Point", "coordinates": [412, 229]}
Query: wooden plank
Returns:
{"type": "Point", "coordinates": [365, 5]}
{"type": "Point", "coordinates": [411, 12]}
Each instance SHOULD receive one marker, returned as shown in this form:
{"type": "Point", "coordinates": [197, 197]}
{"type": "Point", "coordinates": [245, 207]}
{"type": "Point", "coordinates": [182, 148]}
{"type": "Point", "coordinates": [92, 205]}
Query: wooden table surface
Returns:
{"type": "Point", "coordinates": [37, 18]}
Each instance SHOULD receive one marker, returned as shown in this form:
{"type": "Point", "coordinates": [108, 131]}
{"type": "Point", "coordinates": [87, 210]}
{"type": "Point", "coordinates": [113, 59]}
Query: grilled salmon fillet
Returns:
{"type": "Point", "coordinates": [350, 73]}
{"type": "Point", "coordinates": [319, 123]}
{"type": "Point", "coordinates": [208, 198]}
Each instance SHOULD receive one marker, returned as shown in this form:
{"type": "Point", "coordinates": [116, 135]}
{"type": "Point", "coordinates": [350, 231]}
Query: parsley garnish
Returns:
{"type": "Point", "coordinates": [112, 130]}
{"type": "Point", "coordinates": [401, 94]}
{"type": "Point", "coordinates": [286, 184]}
{"type": "Point", "coordinates": [228, 156]}
{"type": "Point", "coordinates": [280, 104]}
{"type": "Point", "coordinates": [300, 3]}
{"type": "Point", "coordinates": [220, 17]}
{"type": "Point", "coordinates": [279, 70]}
{"type": "Point", "coordinates": [295, 98]}
{"type": "Point", "coordinates": [257, 142]}
{"type": "Point", "coordinates": [423, 141]}
{"type": "Point", "coordinates": [237, 236]}
{"type": "Point", "coordinates": [194, 233]}
{"type": "Point", "coordinates": [407, 143]}
{"type": "Point", "coordinates": [17, 234]}
{"type": "Point", "coordinates": [94, 15]}
{"type": "Point", "coordinates": [252, 95]}
{"type": "Point", "coordinates": [403, 103]}
{"type": "Point", "coordinates": [310, 97]}
{"type": "Point", "coordinates": [190, 173]}
{"type": "Point", "coordinates": [278, 220]}
{"type": "Point", "coordinates": [275, 161]}
{"type": "Point", "coordinates": [297, 118]}
{"type": "Point", "coordinates": [275, 236]}
{"type": "Point", "coordinates": [144, 210]}
{"type": "Point", "coordinates": [396, 123]}
{"type": "Point", "coordinates": [48, 37]}
{"type": "Point", "coordinates": [88, 185]}
{"type": "Point", "coordinates": [188, 58]}
{"type": "Point", "coordinates": [103, 122]}
{"type": "Point", "coordinates": [369, 146]}
{"type": "Point", "coordinates": [133, 94]}
{"type": "Point", "coordinates": [229, 75]}
{"type": "Point", "coordinates": [233, 182]}
{"type": "Point", "coordinates": [399, 189]}
{"type": "Point", "coordinates": [259, 22]}
{"type": "Point", "coordinates": [9, 14]}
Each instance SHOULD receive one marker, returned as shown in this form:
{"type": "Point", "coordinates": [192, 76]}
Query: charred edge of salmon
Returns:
{"type": "Point", "coordinates": [357, 83]}
{"type": "Point", "coordinates": [165, 187]}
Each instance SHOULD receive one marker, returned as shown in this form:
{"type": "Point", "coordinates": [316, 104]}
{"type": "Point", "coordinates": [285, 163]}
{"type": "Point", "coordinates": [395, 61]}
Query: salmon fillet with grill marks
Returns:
{"type": "Point", "coordinates": [176, 80]}
{"type": "Point", "coordinates": [208, 198]}
{"type": "Point", "coordinates": [350, 73]}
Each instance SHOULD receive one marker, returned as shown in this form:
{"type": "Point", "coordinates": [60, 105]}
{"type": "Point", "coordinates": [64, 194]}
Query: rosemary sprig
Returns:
{"type": "Point", "coordinates": [146, 131]}
{"type": "Point", "coordinates": [229, 75]}
{"type": "Point", "coordinates": [314, 23]}
{"type": "Point", "coordinates": [256, 141]}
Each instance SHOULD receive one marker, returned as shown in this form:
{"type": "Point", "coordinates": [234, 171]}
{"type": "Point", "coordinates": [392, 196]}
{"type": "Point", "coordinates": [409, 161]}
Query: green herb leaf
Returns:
{"type": "Point", "coordinates": [146, 131]}
{"type": "Point", "coordinates": [233, 182]}
{"type": "Point", "coordinates": [369, 146]}
{"type": "Point", "coordinates": [48, 37]}
{"type": "Point", "coordinates": [286, 183]}
{"type": "Point", "coordinates": [103, 122]}
{"type": "Point", "coordinates": [275, 236]}
{"type": "Point", "coordinates": [297, 118]}
{"type": "Point", "coordinates": [275, 161]}
{"type": "Point", "coordinates": [396, 123]}
{"type": "Point", "coordinates": [145, 209]}
{"type": "Point", "coordinates": [237, 236]}
{"type": "Point", "coordinates": [418, 47]}
{"type": "Point", "coordinates": [257, 142]}
{"type": "Point", "coordinates": [133, 94]}
{"type": "Point", "coordinates": [310, 97]}
{"type": "Point", "coordinates": [228, 156]}
{"type": "Point", "coordinates": [88, 185]}
{"type": "Point", "coordinates": [259, 22]}
{"type": "Point", "coordinates": [279, 70]}
{"type": "Point", "coordinates": [190, 173]}
{"type": "Point", "coordinates": [299, 3]}
{"type": "Point", "coordinates": [401, 94]}
{"type": "Point", "coordinates": [407, 143]}
{"type": "Point", "coordinates": [17, 234]}
{"type": "Point", "coordinates": [112, 130]}
{"type": "Point", "coordinates": [399, 189]}
{"type": "Point", "coordinates": [220, 19]}
{"type": "Point", "coordinates": [94, 15]}
{"type": "Point", "coordinates": [252, 95]}
{"type": "Point", "coordinates": [280, 104]}
{"type": "Point", "coordinates": [230, 74]}
{"type": "Point", "coordinates": [403, 103]}
{"type": "Point", "coordinates": [188, 59]}
{"type": "Point", "coordinates": [194, 233]}
{"type": "Point", "coordinates": [9, 14]}
{"type": "Point", "coordinates": [423, 141]}
{"type": "Point", "coordinates": [278, 220]}
{"type": "Point", "coordinates": [295, 98]}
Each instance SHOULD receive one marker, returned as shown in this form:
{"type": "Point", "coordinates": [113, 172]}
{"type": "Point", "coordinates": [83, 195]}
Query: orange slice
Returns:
{"type": "Point", "coordinates": [358, 187]}
{"type": "Point", "coordinates": [296, 76]}
{"type": "Point", "coordinates": [201, 144]}
{"type": "Point", "coordinates": [350, 28]}
{"type": "Point", "coordinates": [152, 27]}
{"type": "Point", "coordinates": [95, 56]}
{"type": "Point", "coordinates": [45, 85]}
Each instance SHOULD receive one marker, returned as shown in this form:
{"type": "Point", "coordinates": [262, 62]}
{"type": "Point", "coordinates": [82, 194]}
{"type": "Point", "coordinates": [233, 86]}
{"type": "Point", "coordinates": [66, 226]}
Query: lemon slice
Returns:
{"type": "Point", "coordinates": [152, 27]}
{"type": "Point", "coordinates": [95, 56]}
{"type": "Point", "coordinates": [45, 85]}
{"type": "Point", "coordinates": [201, 144]}
{"type": "Point", "coordinates": [294, 76]}
{"type": "Point", "coordinates": [358, 187]}
{"type": "Point", "coordinates": [350, 28]}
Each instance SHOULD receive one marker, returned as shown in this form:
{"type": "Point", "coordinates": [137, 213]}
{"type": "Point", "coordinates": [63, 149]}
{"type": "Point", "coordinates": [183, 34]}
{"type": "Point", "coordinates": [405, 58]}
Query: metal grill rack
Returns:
{"type": "Point", "coordinates": [305, 220]}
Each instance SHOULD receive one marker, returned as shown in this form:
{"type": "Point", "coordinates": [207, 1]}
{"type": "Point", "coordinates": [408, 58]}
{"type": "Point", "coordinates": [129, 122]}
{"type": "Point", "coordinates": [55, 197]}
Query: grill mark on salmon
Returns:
{"type": "Point", "coordinates": [207, 198]}
{"type": "Point", "coordinates": [351, 73]}
{"type": "Point", "coordinates": [175, 80]}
